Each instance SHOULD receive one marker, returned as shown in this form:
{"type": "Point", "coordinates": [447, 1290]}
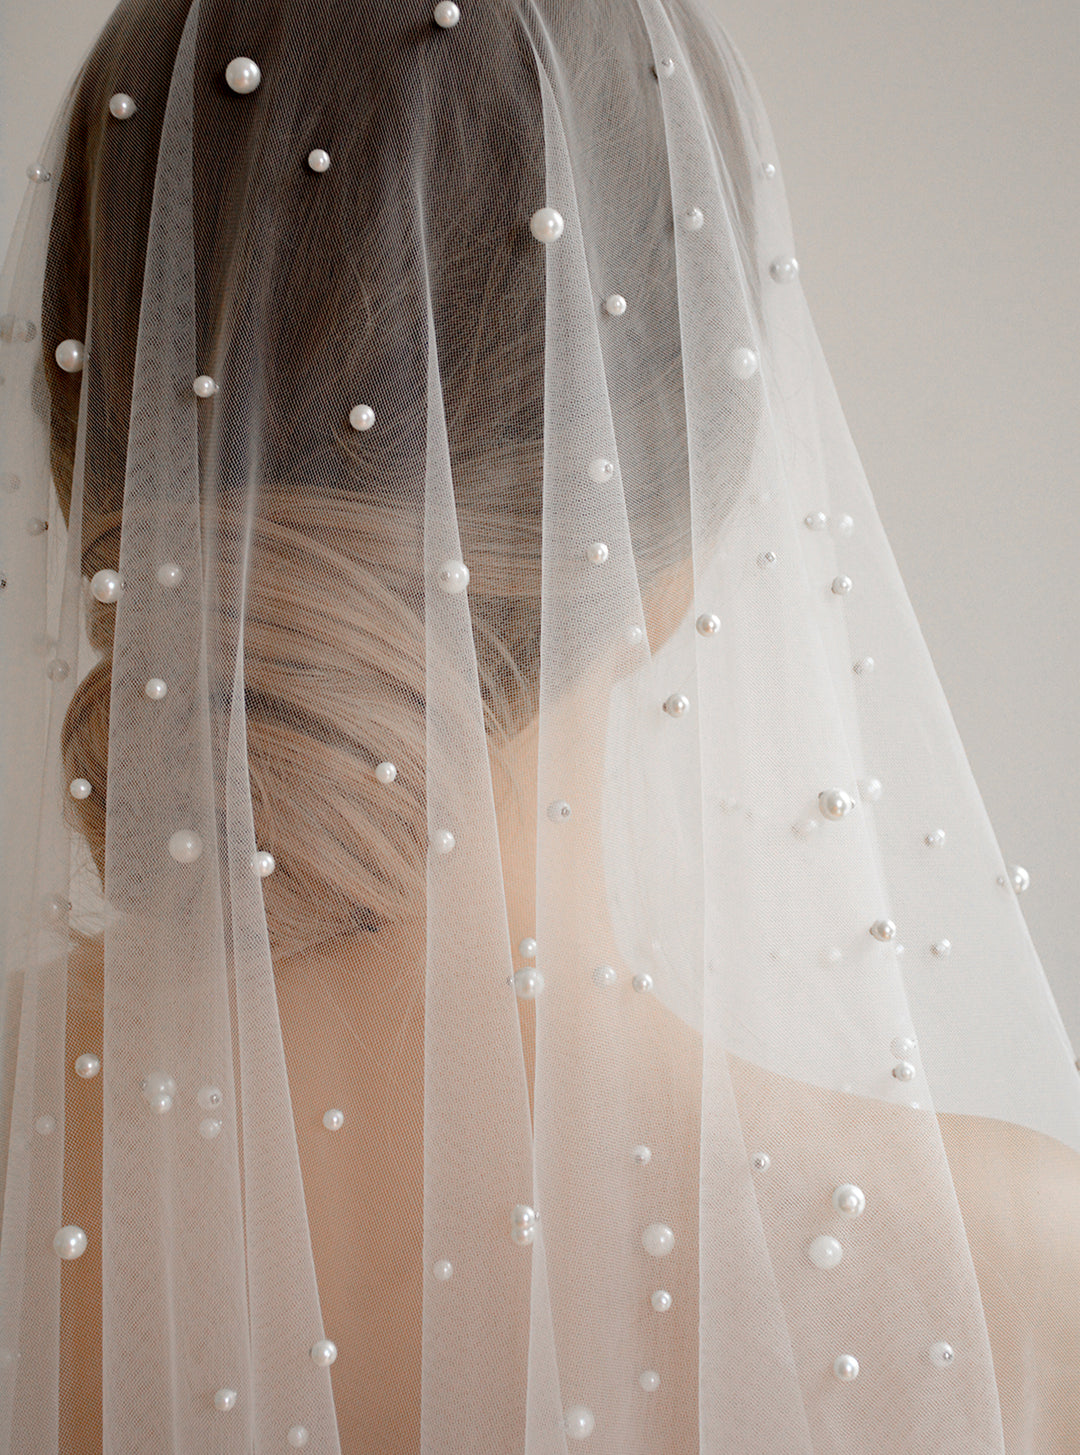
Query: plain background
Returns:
{"type": "Point", "coordinates": [929, 154]}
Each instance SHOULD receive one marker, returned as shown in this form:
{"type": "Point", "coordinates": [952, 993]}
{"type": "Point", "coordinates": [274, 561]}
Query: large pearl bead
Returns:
{"type": "Point", "coordinates": [883, 929]}
{"type": "Point", "coordinates": [784, 270]}
{"type": "Point", "coordinates": [642, 983]}
{"type": "Point", "coordinates": [546, 224]}
{"type": "Point", "coordinates": [70, 1242]}
{"type": "Point", "coordinates": [935, 838]}
{"type": "Point", "coordinates": [447, 14]}
{"type": "Point", "coordinates": [658, 1239]}
{"type": "Point", "coordinates": [841, 585]}
{"type": "Point", "coordinates": [453, 577]}
{"type": "Point", "coordinates": [80, 788]}
{"type": "Point", "coordinates": [1019, 878]}
{"type": "Point", "coordinates": [849, 1200]}
{"type": "Point", "coordinates": [604, 976]}
{"type": "Point", "coordinates": [156, 688]}
{"type": "Point", "coordinates": [904, 1071]}
{"type": "Point", "coordinates": [642, 1155]}
{"type": "Point", "coordinates": [87, 1065]}
{"type": "Point", "coordinates": [527, 948]}
{"type": "Point", "coordinates": [361, 416]}
{"type": "Point", "coordinates": [323, 1353]}
{"type": "Point", "coordinates": [225, 1399]}
{"type": "Point", "coordinates": [528, 983]}
{"type": "Point", "coordinates": [443, 841]}
{"type": "Point", "coordinates": [677, 705]}
{"type": "Point", "coordinates": [121, 106]}
{"type": "Point", "coordinates": [334, 1119]}
{"type": "Point", "coordinates": [443, 1270]}
{"type": "Point", "coordinates": [835, 803]}
{"type": "Point", "coordinates": [263, 863]}
{"type": "Point", "coordinates": [942, 1354]}
{"type": "Point", "coordinates": [941, 948]}
{"type": "Point", "coordinates": [816, 520]}
{"type": "Point", "coordinates": [242, 75]}
{"type": "Point", "coordinates": [385, 772]}
{"type": "Point", "coordinates": [185, 845]}
{"type": "Point", "coordinates": [169, 574]}
{"type": "Point", "coordinates": [597, 553]}
{"type": "Point", "coordinates": [845, 1366]}
{"type": "Point", "coordinates": [158, 1090]}
{"type": "Point", "coordinates": [742, 363]}
{"type": "Point", "coordinates": [318, 159]}
{"type": "Point", "coordinates": [70, 355]}
{"type": "Point", "coordinates": [708, 624]}
{"type": "Point", "coordinates": [580, 1422]}
{"type": "Point", "coordinates": [204, 386]}
{"type": "Point", "coordinates": [615, 305]}
{"type": "Point", "coordinates": [38, 173]}
{"type": "Point", "coordinates": [825, 1252]}
{"type": "Point", "coordinates": [660, 1300]}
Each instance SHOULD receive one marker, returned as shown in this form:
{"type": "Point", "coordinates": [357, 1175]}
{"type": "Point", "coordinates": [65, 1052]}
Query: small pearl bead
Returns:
{"type": "Point", "coordinates": [57, 670]}
{"type": "Point", "coordinates": [80, 788]}
{"type": "Point", "coordinates": [742, 363]}
{"type": "Point", "coordinates": [693, 219]}
{"type": "Point", "coordinates": [546, 224]}
{"type": "Point", "coordinates": [559, 811]}
{"type": "Point", "coordinates": [523, 1224]}
{"type": "Point", "coordinates": [158, 1090]}
{"type": "Point", "coordinates": [70, 355]}
{"type": "Point", "coordinates": [825, 1252]}
{"type": "Point", "coordinates": [849, 1200]}
{"type": "Point", "coordinates": [579, 1422]}
{"type": "Point", "coordinates": [121, 106]}
{"type": "Point", "coordinates": [604, 976]}
{"type": "Point", "coordinates": [708, 624]}
{"type": "Point", "coordinates": [942, 1354]}
{"type": "Point", "coordinates": [452, 577]}
{"type": "Point", "coordinates": [941, 948]}
{"type": "Point", "coordinates": [263, 863]}
{"type": "Point", "coordinates": [209, 1097]}
{"type": "Point", "coordinates": [883, 929]}
{"type": "Point", "coordinates": [870, 788]}
{"type": "Point", "coordinates": [658, 1239]}
{"type": "Point", "coordinates": [297, 1437]}
{"type": "Point", "coordinates": [935, 838]}
{"type": "Point", "coordinates": [318, 160]}
{"type": "Point", "coordinates": [528, 983]}
{"type": "Point", "coordinates": [323, 1353]}
{"type": "Point", "coordinates": [864, 666]}
{"type": "Point", "coordinates": [642, 1155]}
{"type": "Point", "coordinates": [334, 1119]}
{"type": "Point", "coordinates": [447, 14]}
{"type": "Point", "coordinates": [615, 304]}
{"type": "Point", "coordinates": [105, 586]}
{"type": "Point", "coordinates": [386, 772]}
{"type": "Point", "coordinates": [185, 845]}
{"type": "Point", "coordinates": [835, 803]}
{"type": "Point", "coordinates": [597, 553]}
{"type": "Point", "coordinates": [902, 1046]}
{"type": "Point", "coordinates": [649, 1380]}
{"type": "Point", "coordinates": [784, 270]}
{"type": "Point", "coordinates": [904, 1071]}
{"type": "Point", "coordinates": [156, 688]}
{"type": "Point", "coordinates": [242, 75]}
{"type": "Point", "coordinates": [766, 559]}
{"type": "Point", "coordinates": [841, 585]}
{"type": "Point", "coordinates": [666, 66]}
{"type": "Point", "coordinates": [1019, 878]}
{"type": "Point", "coordinates": [203, 387]}
{"type": "Point", "coordinates": [225, 1399]}
{"type": "Point", "coordinates": [443, 841]}
{"type": "Point", "coordinates": [601, 470]}
{"type": "Point", "coordinates": [677, 705]}
{"type": "Point", "coordinates": [816, 520]}
{"type": "Point", "coordinates": [642, 983]}
{"type": "Point", "coordinates": [209, 1128]}
{"type": "Point", "coordinates": [527, 948]}
{"type": "Point", "coordinates": [768, 171]}
{"type": "Point", "coordinates": [844, 525]}
{"type": "Point", "coordinates": [845, 1366]}
{"type": "Point", "coordinates": [635, 636]}
{"type": "Point", "coordinates": [660, 1300]}
{"type": "Point", "coordinates": [38, 173]}
{"type": "Point", "coordinates": [87, 1065]}
{"type": "Point", "coordinates": [443, 1269]}
{"type": "Point", "coordinates": [761, 1161]}
{"type": "Point", "coordinates": [45, 1125]}
{"type": "Point", "coordinates": [169, 574]}
{"type": "Point", "coordinates": [70, 1242]}
{"type": "Point", "coordinates": [361, 416]}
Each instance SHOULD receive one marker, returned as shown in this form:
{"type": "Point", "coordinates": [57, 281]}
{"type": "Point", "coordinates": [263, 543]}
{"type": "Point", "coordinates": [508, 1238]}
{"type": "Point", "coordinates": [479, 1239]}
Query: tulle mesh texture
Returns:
{"type": "Point", "coordinates": [475, 784]}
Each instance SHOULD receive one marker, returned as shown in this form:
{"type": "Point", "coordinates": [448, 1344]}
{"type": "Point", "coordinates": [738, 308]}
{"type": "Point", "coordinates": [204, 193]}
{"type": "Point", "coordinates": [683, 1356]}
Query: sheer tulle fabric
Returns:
{"type": "Point", "coordinates": [476, 790]}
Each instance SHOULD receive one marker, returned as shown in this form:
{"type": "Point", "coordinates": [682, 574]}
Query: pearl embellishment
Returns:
{"type": "Point", "coordinates": [559, 811]}
{"type": "Point", "coordinates": [156, 688]}
{"type": "Point", "coordinates": [323, 1353]}
{"type": "Point", "coordinates": [604, 976]}
{"type": "Point", "coordinates": [825, 1252]}
{"type": "Point", "coordinates": [597, 553]}
{"type": "Point", "coordinates": [766, 559]}
{"type": "Point", "coordinates": [649, 1379]}
{"type": "Point", "coordinates": [242, 75]}
{"type": "Point", "coordinates": [263, 863]}
{"type": "Point", "coordinates": [761, 1161]}
{"type": "Point", "coordinates": [883, 929]}
{"type": "Point", "coordinates": [447, 14]}
{"type": "Point", "coordinates": [523, 1224]}
{"type": "Point", "coordinates": [38, 173]}
{"type": "Point", "coordinates": [225, 1399]}
{"type": "Point", "coordinates": [527, 948]}
{"type": "Point", "coordinates": [642, 983]}
{"type": "Point", "coordinates": [660, 1300]}
{"type": "Point", "coordinates": [904, 1071]}
{"type": "Point", "coordinates": [1019, 878]}
{"type": "Point", "coordinates": [935, 838]}
{"type": "Point", "coordinates": [863, 665]}
{"type": "Point", "coordinates": [87, 1065]}
{"type": "Point", "coordinates": [708, 624]}
{"type": "Point", "coordinates": [70, 355]}
{"type": "Point", "coordinates": [297, 1437]}
{"type": "Point", "coordinates": [158, 1090]}
{"type": "Point", "coordinates": [677, 705]}
{"type": "Point", "coordinates": [546, 224]}
{"type": "Point", "coordinates": [849, 1200]}
{"type": "Point", "coordinates": [601, 471]}
{"type": "Point", "coordinates": [941, 948]}
{"type": "Point", "coordinates": [835, 803]}
{"type": "Point", "coordinates": [204, 386]}
{"type": "Point", "coordinates": [105, 586]}
{"type": "Point", "coordinates": [443, 841]}
{"type": "Point", "coordinates": [615, 304]}
{"type": "Point", "coordinates": [846, 1366]}
{"type": "Point", "coordinates": [693, 219]}
{"type": "Point", "coordinates": [942, 1354]}
{"type": "Point", "coordinates": [361, 416]}
{"type": "Point", "coordinates": [658, 1240]}
{"type": "Point", "coordinates": [209, 1128]}
{"type": "Point", "coordinates": [334, 1119]}
{"type": "Point", "coordinates": [742, 363]}
{"type": "Point", "coordinates": [386, 772]}
{"type": "Point", "coordinates": [452, 577]}
{"type": "Point", "coordinates": [185, 845]}
{"type": "Point", "coordinates": [841, 585]}
{"type": "Point", "coordinates": [169, 574]}
{"type": "Point", "coordinates": [443, 1269]}
{"type": "Point", "coordinates": [318, 160]}
{"type": "Point", "coordinates": [784, 270]}
{"type": "Point", "coordinates": [70, 1242]}
{"type": "Point", "coordinates": [667, 66]}
{"type": "Point", "coordinates": [528, 983]}
{"type": "Point", "coordinates": [816, 520]}
{"type": "Point", "coordinates": [80, 788]}
{"type": "Point", "coordinates": [209, 1097]}
{"type": "Point", "coordinates": [121, 106]}
{"type": "Point", "coordinates": [642, 1155]}
{"type": "Point", "coordinates": [580, 1422]}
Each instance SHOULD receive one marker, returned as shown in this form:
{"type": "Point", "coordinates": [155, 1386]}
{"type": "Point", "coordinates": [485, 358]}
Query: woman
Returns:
{"type": "Point", "coordinates": [505, 949]}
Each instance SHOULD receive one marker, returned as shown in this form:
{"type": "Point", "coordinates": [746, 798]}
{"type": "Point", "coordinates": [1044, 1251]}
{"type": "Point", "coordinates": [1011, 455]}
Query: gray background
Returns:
{"type": "Point", "coordinates": [929, 153]}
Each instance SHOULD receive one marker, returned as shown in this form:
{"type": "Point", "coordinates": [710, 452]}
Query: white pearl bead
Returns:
{"type": "Point", "coordinates": [935, 838]}
{"type": "Point", "coordinates": [666, 66]}
{"type": "Point", "coordinates": [677, 705]}
{"type": "Point", "coordinates": [209, 1097]}
{"type": "Point", "coordinates": [601, 470]}
{"type": "Point", "coordinates": [660, 1300]}
{"type": "Point", "coordinates": [80, 788]}
{"type": "Point", "coordinates": [604, 976]}
{"type": "Point", "coordinates": [443, 841]}
{"type": "Point", "coordinates": [242, 75]}
{"type": "Point", "coordinates": [642, 1155]}
{"type": "Point", "coordinates": [870, 789]}
{"type": "Point", "coordinates": [845, 1366]}
{"type": "Point", "coordinates": [453, 577]}
{"type": "Point", "coordinates": [323, 1353]}
{"type": "Point", "coordinates": [334, 1119]}
{"type": "Point", "coordinates": [766, 559]}
{"type": "Point", "coordinates": [825, 1252]}
{"type": "Point", "coordinates": [863, 666]}
{"type": "Point", "coordinates": [768, 171]}
{"type": "Point", "coordinates": [38, 173]}
{"type": "Point", "coordinates": [649, 1380]}
{"type": "Point", "coordinates": [546, 224]}
{"type": "Point", "coordinates": [297, 1437]}
{"type": "Point", "coordinates": [528, 983]}
{"type": "Point", "coordinates": [784, 270]}
{"type": "Point", "coordinates": [1019, 877]}
{"type": "Point", "coordinates": [523, 1224]}
{"type": "Point", "coordinates": [57, 670]}
{"type": "Point", "coordinates": [45, 1125]}
{"type": "Point", "coordinates": [225, 1399]}
{"type": "Point", "coordinates": [185, 845]}
{"type": "Point", "coordinates": [742, 363]}
{"type": "Point", "coordinates": [318, 160]}
{"type": "Point", "coordinates": [708, 624]}
{"type": "Point", "coordinates": [263, 863]}
{"type": "Point", "coordinates": [443, 1269]}
{"type": "Point", "coordinates": [106, 586]}
{"type": "Point", "coordinates": [121, 106]}
{"type": "Point", "coordinates": [158, 1090]}
{"type": "Point", "coordinates": [635, 636]}
{"type": "Point", "coordinates": [841, 585]}
{"type": "Point", "coordinates": [447, 14]}
{"type": "Point", "coordinates": [70, 1242]}
{"type": "Point", "coordinates": [942, 1354]}
{"type": "Point", "coordinates": [849, 1200]}
{"type": "Point", "coordinates": [642, 983]}
{"type": "Point", "coordinates": [904, 1071]}
{"type": "Point", "coordinates": [527, 948]}
{"type": "Point", "coordinates": [559, 811]}
{"type": "Point", "coordinates": [816, 520]}
{"type": "Point", "coordinates": [209, 1128]}
{"type": "Point", "coordinates": [87, 1065]}
{"type": "Point", "coordinates": [902, 1046]}
{"type": "Point", "coordinates": [386, 772]}
{"type": "Point", "coordinates": [941, 948]}
{"type": "Point", "coordinates": [169, 574]}
{"type": "Point", "coordinates": [883, 929]}
{"type": "Point", "coordinates": [580, 1422]}
{"type": "Point", "coordinates": [156, 688]}
{"type": "Point", "coordinates": [761, 1161]}
{"type": "Point", "coordinates": [693, 219]}
{"type": "Point", "coordinates": [203, 387]}
{"type": "Point", "coordinates": [844, 525]}
{"type": "Point", "coordinates": [658, 1239]}
{"type": "Point", "coordinates": [361, 416]}
{"type": "Point", "coordinates": [597, 553]}
{"type": "Point", "coordinates": [615, 304]}
{"type": "Point", "coordinates": [835, 803]}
